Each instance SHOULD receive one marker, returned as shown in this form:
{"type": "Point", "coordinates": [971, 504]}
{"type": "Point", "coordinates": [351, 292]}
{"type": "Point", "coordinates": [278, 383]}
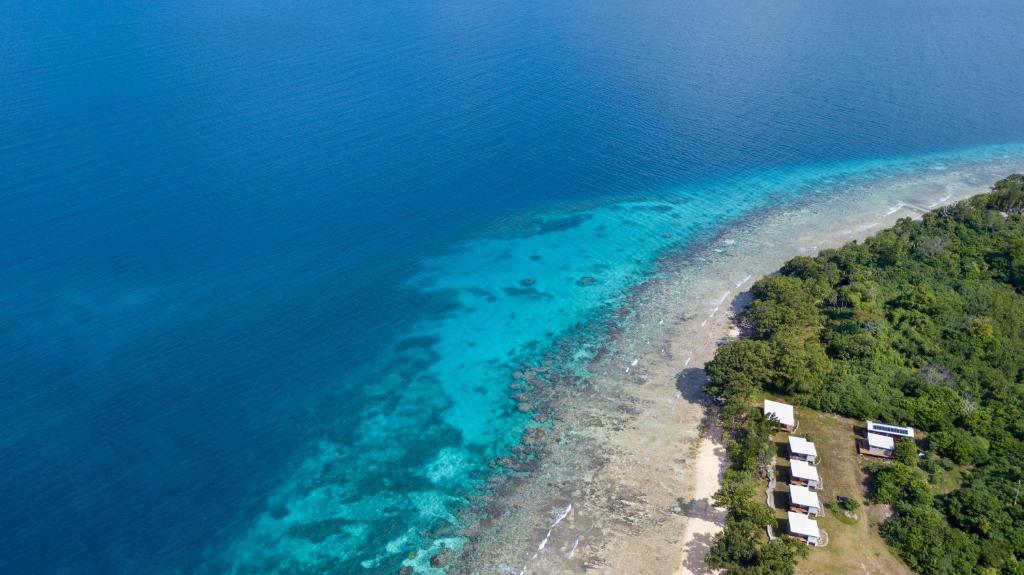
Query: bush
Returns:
{"type": "Point", "coordinates": [848, 503]}
{"type": "Point", "coordinates": [905, 451]}
{"type": "Point", "coordinates": [960, 445]}
{"type": "Point", "coordinates": [899, 483]}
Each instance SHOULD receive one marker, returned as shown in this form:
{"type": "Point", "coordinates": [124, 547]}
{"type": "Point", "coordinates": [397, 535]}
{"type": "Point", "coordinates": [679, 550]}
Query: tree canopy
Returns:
{"type": "Point", "coordinates": [923, 325]}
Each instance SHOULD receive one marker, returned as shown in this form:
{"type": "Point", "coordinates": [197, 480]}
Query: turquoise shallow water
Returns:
{"type": "Point", "coordinates": [267, 270]}
{"type": "Point", "coordinates": [451, 414]}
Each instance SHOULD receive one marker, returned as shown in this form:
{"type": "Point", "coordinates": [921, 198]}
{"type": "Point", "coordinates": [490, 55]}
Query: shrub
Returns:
{"type": "Point", "coordinates": [848, 503]}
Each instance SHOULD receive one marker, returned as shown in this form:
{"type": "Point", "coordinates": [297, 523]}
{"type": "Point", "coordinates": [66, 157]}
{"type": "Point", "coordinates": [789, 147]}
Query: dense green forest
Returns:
{"type": "Point", "coordinates": [923, 325]}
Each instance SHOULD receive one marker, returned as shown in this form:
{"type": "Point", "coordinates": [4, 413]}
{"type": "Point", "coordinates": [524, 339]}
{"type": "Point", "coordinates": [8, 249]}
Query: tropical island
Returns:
{"type": "Point", "coordinates": [921, 324]}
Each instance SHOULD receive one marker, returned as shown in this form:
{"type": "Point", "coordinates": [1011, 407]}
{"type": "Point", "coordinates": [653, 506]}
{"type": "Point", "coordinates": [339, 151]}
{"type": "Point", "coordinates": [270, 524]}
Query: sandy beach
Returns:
{"type": "Point", "coordinates": [627, 472]}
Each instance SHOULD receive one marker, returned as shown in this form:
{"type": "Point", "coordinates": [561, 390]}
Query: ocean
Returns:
{"type": "Point", "coordinates": [268, 269]}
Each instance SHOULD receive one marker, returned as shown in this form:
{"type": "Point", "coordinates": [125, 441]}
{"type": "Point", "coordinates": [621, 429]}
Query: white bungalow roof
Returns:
{"type": "Point", "coordinates": [803, 470]}
{"type": "Point", "coordinates": [887, 428]}
{"type": "Point", "coordinates": [803, 496]}
{"type": "Point", "coordinates": [876, 441]}
{"type": "Point", "coordinates": [802, 446]}
{"type": "Point", "coordinates": [782, 412]}
{"type": "Point", "coordinates": [802, 525]}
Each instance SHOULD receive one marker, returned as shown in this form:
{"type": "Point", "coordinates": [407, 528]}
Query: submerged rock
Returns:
{"type": "Point", "coordinates": [527, 292]}
{"type": "Point", "coordinates": [533, 435]}
{"type": "Point", "coordinates": [441, 559]}
{"type": "Point", "coordinates": [506, 462]}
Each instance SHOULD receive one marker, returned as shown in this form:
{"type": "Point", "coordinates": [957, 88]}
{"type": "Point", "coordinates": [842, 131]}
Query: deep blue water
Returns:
{"type": "Point", "coordinates": [261, 263]}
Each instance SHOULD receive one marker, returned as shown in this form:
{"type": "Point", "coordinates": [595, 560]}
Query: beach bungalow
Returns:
{"type": "Point", "coordinates": [895, 431]}
{"type": "Point", "coordinates": [781, 412]}
{"type": "Point", "coordinates": [876, 445]}
{"type": "Point", "coordinates": [804, 528]}
{"type": "Point", "coordinates": [803, 473]}
{"type": "Point", "coordinates": [800, 448]}
{"type": "Point", "coordinates": [803, 500]}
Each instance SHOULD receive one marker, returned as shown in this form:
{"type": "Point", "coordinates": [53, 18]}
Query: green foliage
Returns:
{"type": "Point", "coordinates": [905, 451]}
{"type": "Point", "coordinates": [1008, 196]}
{"type": "Point", "coordinates": [739, 369]}
{"type": "Point", "coordinates": [922, 324]}
{"type": "Point", "coordinates": [801, 364]}
{"type": "Point", "coordinates": [928, 544]}
{"type": "Point", "coordinates": [781, 304]}
{"type": "Point", "coordinates": [899, 483]}
{"type": "Point", "coordinates": [743, 547]}
{"type": "Point", "coordinates": [978, 509]}
{"type": "Point", "coordinates": [848, 503]}
{"type": "Point", "coordinates": [960, 445]}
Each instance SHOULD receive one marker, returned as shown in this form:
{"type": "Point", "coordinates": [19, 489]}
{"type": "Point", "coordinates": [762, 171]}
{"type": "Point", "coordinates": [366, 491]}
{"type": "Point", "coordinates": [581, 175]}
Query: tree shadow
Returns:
{"type": "Point", "coordinates": [868, 484]}
{"type": "Point", "coordinates": [739, 305]}
{"type": "Point", "coordinates": [696, 550]}
{"type": "Point", "coordinates": [782, 450]}
{"type": "Point", "coordinates": [780, 497]}
{"type": "Point", "coordinates": [783, 474]}
{"type": "Point", "coordinates": [690, 383]}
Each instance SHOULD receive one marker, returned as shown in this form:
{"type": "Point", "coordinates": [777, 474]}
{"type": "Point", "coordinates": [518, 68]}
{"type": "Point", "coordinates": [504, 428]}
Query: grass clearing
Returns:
{"type": "Point", "coordinates": [949, 480]}
{"type": "Point", "coordinates": [855, 546]}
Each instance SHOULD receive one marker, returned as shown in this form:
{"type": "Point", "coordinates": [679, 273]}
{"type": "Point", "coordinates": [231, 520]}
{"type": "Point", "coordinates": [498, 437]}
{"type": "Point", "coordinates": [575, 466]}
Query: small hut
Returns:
{"type": "Point", "coordinates": [803, 473]}
{"type": "Point", "coordinates": [876, 445]}
{"type": "Point", "coordinates": [800, 448]}
{"type": "Point", "coordinates": [780, 412]}
{"type": "Point", "coordinates": [803, 500]}
{"type": "Point", "coordinates": [804, 528]}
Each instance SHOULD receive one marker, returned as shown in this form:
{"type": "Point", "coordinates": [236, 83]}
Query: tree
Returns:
{"type": "Point", "coordinates": [800, 364]}
{"type": "Point", "coordinates": [848, 503]}
{"type": "Point", "coordinates": [896, 482]}
{"type": "Point", "coordinates": [905, 451]}
{"type": "Point", "coordinates": [781, 303]}
{"type": "Point", "coordinates": [928, 544]}
{"type": "Point", "coordinates": [960, 445]}
{"type": "Point", "coordinates": [740, 368]}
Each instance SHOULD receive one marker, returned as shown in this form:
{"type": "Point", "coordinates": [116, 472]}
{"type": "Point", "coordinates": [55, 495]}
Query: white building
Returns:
{"type": "Point", "coordinates": [897, 431]}
{"type": "Point", "coordinates": [803, 473]}
{"type": "Point", "coordinates": [800, 448]}
{"type": "Point", "coordinates": [803, 500]}
{"type": "Point", "coordinates": [781, 412]}
{"type": "Point", "coordinates": [803, 527]}
{"type": "Point", "coordinates": [877, 445]}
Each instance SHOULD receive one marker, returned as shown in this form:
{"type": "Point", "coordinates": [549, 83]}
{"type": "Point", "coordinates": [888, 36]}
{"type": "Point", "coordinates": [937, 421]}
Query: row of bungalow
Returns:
{"type": "Point", "coordinates": [804, 504]}
{"type": "Point", "coordinates": [879, 441]}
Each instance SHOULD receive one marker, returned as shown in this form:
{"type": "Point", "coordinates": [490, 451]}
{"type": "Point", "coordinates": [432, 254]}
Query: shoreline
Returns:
{"type": "Point", "coordinates": [624, 479]}
{"type": "Point", "coordinates": [711, 461]}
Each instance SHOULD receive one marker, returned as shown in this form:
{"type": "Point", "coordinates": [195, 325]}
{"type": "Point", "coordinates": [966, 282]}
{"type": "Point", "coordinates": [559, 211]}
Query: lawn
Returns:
{"type": "Point", "coordinates": [854, 546]}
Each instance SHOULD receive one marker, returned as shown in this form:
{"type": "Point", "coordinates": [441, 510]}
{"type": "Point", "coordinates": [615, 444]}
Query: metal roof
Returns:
{"type": "Point", "coordinates": [876, 441]}
{"type": "Point", "coordinates": [803, 525]}
{"type": "Point", "coordinates": [803, 496]}
{"type": "Point", "coordinates": [890, 429]}
{"type": "Point", "coordinates": [802, 446]}
{"type": "Point", "coordinates": [803, 470]}
{"type": "Point", "coordinates": [782, 411]}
